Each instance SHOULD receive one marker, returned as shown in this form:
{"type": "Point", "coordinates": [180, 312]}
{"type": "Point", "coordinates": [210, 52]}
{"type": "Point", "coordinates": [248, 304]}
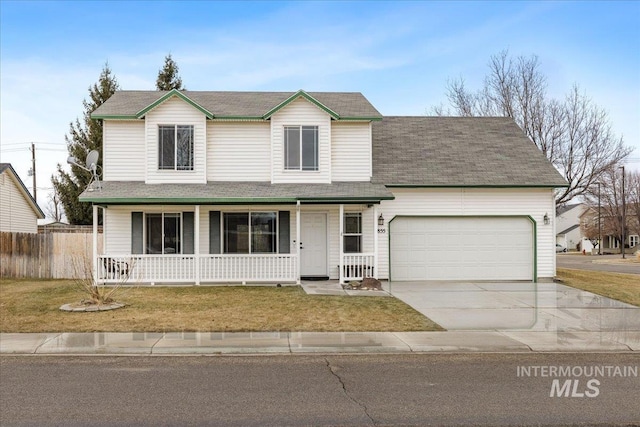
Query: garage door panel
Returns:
{"type": "Point", "coordinates": [471, 248]}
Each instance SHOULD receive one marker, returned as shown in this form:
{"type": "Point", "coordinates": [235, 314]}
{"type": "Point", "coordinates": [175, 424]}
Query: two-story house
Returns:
{"type": "Point", "coordinates": [204, 187]}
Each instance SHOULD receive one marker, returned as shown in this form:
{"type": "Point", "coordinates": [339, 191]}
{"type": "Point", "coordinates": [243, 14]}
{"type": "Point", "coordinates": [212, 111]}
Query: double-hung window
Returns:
{"type": "Point", "coordinates": [253, 232]}
{"type": "Point", "coordinates": [634, 239]}
{"type": "Point", "coordinates": [175, 147]}
{"type": "Point", "coordinates": [301, 148]}
{"type": "Point", "coordinates": [352, 232]}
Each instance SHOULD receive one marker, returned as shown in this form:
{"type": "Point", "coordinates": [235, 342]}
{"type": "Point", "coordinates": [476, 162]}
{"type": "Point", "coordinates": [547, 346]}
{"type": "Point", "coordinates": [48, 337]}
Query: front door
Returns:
{"type": "Point", "coordinates": [313, 244]}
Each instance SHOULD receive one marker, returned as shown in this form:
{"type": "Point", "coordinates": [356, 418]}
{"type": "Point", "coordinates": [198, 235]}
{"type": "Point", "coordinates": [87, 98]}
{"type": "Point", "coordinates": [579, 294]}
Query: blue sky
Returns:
{"type": "Point", "coordinates": [398, 54]}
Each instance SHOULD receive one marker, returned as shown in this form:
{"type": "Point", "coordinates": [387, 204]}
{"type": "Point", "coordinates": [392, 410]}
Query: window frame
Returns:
{"type": "Point", "coordinates": [358, 234]}
{"type": "Point", "coordinates": [316, 152]}
{"type": "Point", "coordinates": [632, 238]}
{"type": "Point", "coordinates": [179, 232]}
{"type": "Point", "coordinates": [191, 150]}
{"type": "Point", "coordinates": [276, 233]}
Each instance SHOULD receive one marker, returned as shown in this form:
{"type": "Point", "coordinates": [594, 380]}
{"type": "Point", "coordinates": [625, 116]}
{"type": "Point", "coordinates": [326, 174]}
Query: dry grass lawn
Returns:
{"type": "Point", "coordinates": [622, 287]}
{"type": "Point", "coordinates": [33, 306]}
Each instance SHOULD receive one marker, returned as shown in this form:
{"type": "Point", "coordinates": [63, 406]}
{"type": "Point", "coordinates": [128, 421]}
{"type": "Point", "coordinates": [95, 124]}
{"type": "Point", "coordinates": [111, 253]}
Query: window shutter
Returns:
{"type": "Point", "coordinates": [137, 246]}
{"type": "Point", "coordinates": [214, 232]}
{"type": "Point", "coordinates": [187, 233]}
{"type": "Point", "coordinates": [284, 232]}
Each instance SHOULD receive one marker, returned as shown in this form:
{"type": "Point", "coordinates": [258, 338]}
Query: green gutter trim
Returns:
{"type": "Point", "coordinates": [476, 186]}
{"type": "Point", "coordinates": [305, 95]}
{"type": "Point", "coordinates": [113, 117]}
{"type": "Point", "coordinates": [258, 118]}
{"type": "Point", "coordinates": [361, 119]}
{"type": "Point", "coordinates": [170, 94]}
{"type": "Point", "coordinates": [229, 200]}
{"type": "Point", "coordinates": [529, 217]}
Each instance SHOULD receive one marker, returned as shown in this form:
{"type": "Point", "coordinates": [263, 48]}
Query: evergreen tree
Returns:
{"type": "Point", "coordinates": [168, 78]}
{"type": "Point", "coordinates": [84, 136]}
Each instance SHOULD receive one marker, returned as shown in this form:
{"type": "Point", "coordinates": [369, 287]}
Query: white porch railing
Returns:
{"type": "Point", "coordinates": [249, 268]}
{"type": "Point", "coordinates": [182, 268]}
{"type": "Point", "coordinates": [357, 266]}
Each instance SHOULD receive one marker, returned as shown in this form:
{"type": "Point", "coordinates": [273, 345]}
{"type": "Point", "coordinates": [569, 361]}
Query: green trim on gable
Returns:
{"type": "Point", "coordinates": [170, 94]}
{"type": "Point", "coordinates": [305, 95]}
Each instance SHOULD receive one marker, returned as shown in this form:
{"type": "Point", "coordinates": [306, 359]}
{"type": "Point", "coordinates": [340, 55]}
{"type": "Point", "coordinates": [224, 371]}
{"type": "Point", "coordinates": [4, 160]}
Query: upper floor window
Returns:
{"type": "Point", "coordinates": [175, 147]}
{"type": "Point", "coordinates": [301, 148]}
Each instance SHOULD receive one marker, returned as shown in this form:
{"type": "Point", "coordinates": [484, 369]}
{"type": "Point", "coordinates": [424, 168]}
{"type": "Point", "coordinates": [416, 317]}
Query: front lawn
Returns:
{"type": "Point", "coordinates": [619, 286]}
{"type": "Point", "coordinates": [33, 306]}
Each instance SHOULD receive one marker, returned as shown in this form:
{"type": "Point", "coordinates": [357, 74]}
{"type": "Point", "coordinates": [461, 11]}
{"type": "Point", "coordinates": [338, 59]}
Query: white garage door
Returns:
{"type": "Point", "coordinates": [473, 248]}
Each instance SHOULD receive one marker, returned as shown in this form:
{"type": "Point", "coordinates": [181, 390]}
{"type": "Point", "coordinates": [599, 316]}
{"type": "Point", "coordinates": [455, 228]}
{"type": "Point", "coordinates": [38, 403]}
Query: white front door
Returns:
{"type": "Point", "coordinates": [313, 244]}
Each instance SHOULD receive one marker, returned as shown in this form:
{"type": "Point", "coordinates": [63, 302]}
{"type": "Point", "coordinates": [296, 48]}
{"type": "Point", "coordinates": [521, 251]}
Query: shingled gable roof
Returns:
{"type": "Point", "coordinates": [28, 197]}
{"type": "Point", "coordinates": [237, 105]}
{"type": "Point", "coordinates": [458, 152]}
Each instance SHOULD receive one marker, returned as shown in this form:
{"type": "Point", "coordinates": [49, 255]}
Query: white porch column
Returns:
{"type": "Point", "coordinates": [298, 240]}
{"type": "Point", "coordinates": [95, 244]}
{"type": "Point", "coordinates": [375, 241]}
{"type": "Point", "coordinates": [196, 243]}
{"type": "Point", "coordinates": [341, 260]}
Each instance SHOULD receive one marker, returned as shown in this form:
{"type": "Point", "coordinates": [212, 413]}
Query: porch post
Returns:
{"type": "Point", "coordinates": [298, 241]}
{"type": "Point", "coordinates": [375, 241]}
{"type": "Point", "coordinates": [95, 244]}
{"type": "Point", "coordinates": [196, 244]}
{"type": "Point", "coordinates": [341, 260]}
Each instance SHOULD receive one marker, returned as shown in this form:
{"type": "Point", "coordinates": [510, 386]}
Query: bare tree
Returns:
{"type": "Point", "coordinates": [611, 195]}
{"type": "Point", "coordinates": [574, 133]}
{"type": "Point", "coordinates": [54, 207]}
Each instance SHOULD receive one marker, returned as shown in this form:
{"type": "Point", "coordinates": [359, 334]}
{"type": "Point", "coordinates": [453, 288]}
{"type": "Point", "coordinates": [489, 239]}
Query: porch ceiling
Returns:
{"type": "Point", "coordinates": [136, 192]}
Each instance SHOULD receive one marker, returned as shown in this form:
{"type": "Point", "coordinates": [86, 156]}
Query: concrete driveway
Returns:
{"type": "Point", "coordinates": [532, 313]}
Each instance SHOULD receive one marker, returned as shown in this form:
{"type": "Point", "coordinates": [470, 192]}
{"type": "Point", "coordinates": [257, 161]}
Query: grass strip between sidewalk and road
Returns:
{"type": "Point", "coordinates": [619, 286]}
{"type": "Point", "coordinates": [33, 306]}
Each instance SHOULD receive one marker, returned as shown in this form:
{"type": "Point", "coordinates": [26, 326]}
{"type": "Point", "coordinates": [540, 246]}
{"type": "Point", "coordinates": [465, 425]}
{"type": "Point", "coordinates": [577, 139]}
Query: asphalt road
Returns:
{"type": "Point", "coordinates": [427, 389]}
{"type": "Point", "coordinates": [585, 262]}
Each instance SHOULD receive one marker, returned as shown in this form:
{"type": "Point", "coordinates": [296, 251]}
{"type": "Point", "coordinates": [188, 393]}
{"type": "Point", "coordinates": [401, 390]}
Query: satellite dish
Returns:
{"type": "Point", "coordinates": [92, 160]}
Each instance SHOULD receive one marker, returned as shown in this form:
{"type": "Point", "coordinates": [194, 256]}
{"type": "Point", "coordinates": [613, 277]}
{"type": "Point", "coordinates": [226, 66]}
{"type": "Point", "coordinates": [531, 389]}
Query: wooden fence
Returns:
{"type": "Point", "coordinates": [45, 256]}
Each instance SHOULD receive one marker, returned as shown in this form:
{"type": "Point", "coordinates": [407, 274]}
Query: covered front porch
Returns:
{"type": "Point", "coordinates": [217, 241]}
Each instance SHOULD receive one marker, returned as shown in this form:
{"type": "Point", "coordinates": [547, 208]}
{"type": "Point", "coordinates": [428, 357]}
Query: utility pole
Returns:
{"type": "Point", "coordinates": [599, 221]}
{"type": "Point", "coordinates": [33, 169]}
{"type": "Point", "coordinates": [624, 219]}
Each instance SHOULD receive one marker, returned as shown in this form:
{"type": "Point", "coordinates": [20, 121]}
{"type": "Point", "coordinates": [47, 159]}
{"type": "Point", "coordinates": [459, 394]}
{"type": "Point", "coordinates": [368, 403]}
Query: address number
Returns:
{"type": "Point", "coordinates": [382, 230]}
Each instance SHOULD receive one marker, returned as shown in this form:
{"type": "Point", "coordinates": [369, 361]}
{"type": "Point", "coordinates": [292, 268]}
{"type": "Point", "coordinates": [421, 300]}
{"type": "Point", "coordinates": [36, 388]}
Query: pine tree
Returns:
{"type": "Point", "coordinates": [168, 78]}
{"type": "Point", "coordinates": [84, 136]}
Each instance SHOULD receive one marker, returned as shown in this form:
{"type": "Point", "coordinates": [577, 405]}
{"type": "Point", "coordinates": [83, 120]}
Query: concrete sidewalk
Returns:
{"type": "Point", "coordinates": [215, 343]}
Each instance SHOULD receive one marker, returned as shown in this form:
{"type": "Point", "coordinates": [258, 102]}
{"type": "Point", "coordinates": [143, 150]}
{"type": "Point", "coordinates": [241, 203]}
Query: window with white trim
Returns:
{"type": "Point", "coordinates": [252, 232]}
{"type": "Point", "coordinates": [352, 232]}
{"type": "Point", "coordinates": [301, 148]}
{"type": "Point", "coordinates": [175, 147]}
{"type": "Point", "coordinates": [634, 239]}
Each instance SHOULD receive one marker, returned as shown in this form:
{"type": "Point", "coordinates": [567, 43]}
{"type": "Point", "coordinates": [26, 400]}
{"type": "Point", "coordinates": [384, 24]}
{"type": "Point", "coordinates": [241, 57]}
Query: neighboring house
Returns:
{"type": "Point", "coordinates": [19, 213]}
{"type": "Point", "coordinates": [203, 187]}
{"type": "Point", "coordinates": [610, 230]}
{"type": "Point", "coordinates": [568, 231]}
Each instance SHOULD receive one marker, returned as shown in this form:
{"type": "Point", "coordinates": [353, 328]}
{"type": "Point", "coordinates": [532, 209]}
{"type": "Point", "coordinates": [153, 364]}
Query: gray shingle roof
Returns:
{"type": "Point", "coordinates": [238, 104]}
{"type": "Point", "coordinates": [563, 232]}
{"type": "Point", "coordinates": [458, 151]}
{"type": "Point", "coordinates": [132, 192]}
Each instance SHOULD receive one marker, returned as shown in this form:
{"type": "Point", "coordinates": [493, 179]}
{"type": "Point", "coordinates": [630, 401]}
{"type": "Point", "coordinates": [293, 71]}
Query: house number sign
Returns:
{"type": "Point", "coordinates": [382, 230]}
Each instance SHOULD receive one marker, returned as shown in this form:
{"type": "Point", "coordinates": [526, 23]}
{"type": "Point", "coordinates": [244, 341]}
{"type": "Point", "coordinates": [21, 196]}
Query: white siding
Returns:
{"type": "Point", "coordinates": [16, 214]}
{"type": "Point", "coordinates": [175, 112]}
{"type": "Point", "coordinates": [350, 151]}
{"type": "Point", "coordinates": [238, 151]}
{"type": "Point", "coordinates": [301, 113]}
{"type": "Point", "coordinates": [475, 202]}
{"type": "Point", "coordinates": [123, 150]}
